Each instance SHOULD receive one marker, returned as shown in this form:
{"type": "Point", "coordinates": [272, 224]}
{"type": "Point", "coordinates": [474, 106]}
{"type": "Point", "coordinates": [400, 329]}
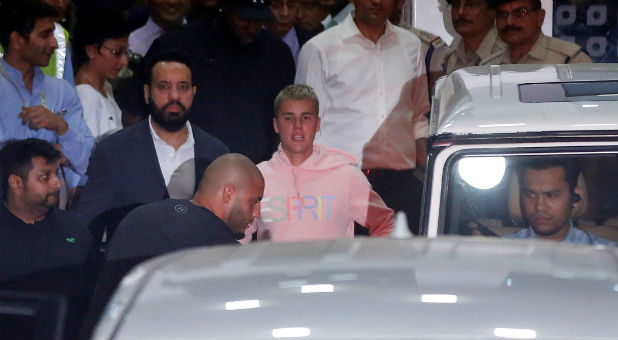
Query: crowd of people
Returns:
{"type": "Point", "coordinates": [126, 133]}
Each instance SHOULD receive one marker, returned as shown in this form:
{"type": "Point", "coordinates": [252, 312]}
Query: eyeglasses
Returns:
{"type": "Point", "coordinates": [456, 5]}
{"type": "Point", "coordinates": [118, 53]}
{"type": "Point", "coordinates": [278, 4]}
{"type": "Point", "coordinates": [516, 13]}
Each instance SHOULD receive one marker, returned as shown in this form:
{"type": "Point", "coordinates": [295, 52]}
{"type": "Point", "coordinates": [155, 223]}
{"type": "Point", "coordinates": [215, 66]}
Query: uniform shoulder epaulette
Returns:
{"type": "Point", "coordinates": [427, 37]}
{"type": "Point", "coordinates": [563, 47]}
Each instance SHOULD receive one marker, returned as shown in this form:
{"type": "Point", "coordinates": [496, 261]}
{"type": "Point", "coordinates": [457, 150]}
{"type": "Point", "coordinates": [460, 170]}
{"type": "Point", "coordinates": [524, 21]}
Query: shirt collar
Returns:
{"type": "Point", "coordinates": [571, 235]}
{"type": "Point", "coordinates": [327, 20]}
{"type": "Point", "coordinates": [17, 78]}
{"type": "Point", "coordinates": [487, 45]}
{"type": "Point", "coordinates": [484, 50]}
{"type": "Point", "coordinates": [16, 75]}
{"type": "Point", "coordinates": [350, 29]}
{"type": "Point", "coordinates": [189, 142]}
{"type": "Point", "coordinates": [538, 49]}
{"type": "Point", "coordinates": [291, 36]}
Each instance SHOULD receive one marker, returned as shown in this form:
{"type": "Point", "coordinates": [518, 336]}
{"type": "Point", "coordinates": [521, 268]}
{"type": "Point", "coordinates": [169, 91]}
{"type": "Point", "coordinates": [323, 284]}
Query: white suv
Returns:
{"type": "Point", "coordinates": [489, 120]}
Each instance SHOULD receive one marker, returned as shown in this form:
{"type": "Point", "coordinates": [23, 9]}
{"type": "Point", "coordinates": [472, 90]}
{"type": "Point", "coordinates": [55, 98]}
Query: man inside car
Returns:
{"type": "Point", "coordinates": [548, 193]}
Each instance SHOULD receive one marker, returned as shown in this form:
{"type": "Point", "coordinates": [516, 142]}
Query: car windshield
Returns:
{"type": "Point", "coordinates": [513, 195]}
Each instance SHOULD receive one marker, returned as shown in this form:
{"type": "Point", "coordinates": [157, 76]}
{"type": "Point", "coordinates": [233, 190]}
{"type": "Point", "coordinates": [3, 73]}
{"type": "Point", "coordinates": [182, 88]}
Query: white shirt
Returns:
{"type": "Point", "coordinates": [373, 96]}
{"type": "Point", "coordinates": [101, 113]}
{"type": "Point", "coordinates": [169, 158]}
{"type": "Point", "coordinates": [141, 39]}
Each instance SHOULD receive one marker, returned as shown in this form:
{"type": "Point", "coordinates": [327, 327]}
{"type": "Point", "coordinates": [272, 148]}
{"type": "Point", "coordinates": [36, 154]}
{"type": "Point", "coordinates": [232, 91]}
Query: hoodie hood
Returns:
{"type": "Point", "coordinates": [322, 158]}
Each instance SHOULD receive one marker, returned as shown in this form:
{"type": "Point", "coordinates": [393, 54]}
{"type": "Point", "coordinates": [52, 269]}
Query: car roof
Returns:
{"type": "Point", "coordinates": [488, 99]}
{"type": "Point", "coordinates": [362, 288]}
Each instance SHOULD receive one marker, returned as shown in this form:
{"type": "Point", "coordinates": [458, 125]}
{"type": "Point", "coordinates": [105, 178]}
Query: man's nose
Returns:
{"type": "Point", "coordinates": [541, 203]}
{"type": "Point", "coordinates": [510, 19]}
{"type": "Point", "coordinates": [53, 42]}
{"type": "Point", "coordinates": [174, 94]}
{"type": "Point", "coordinates": [55, 182]}
{"type": "Point", "coordinates": [256, 210]}
{"type": "Point", "coordinates": [124, 59]}
{"type": "Point", "coordinates": [462, 6]}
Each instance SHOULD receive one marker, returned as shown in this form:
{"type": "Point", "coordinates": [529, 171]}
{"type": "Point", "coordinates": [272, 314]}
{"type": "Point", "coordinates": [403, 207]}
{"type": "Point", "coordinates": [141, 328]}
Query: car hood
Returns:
{"type": "Point", "coordinates": [445, 288]}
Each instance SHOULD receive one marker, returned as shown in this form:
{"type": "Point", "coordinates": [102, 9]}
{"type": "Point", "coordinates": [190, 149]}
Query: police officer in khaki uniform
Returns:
{"type": "Point", "coordinates": [519, 25]}
{"type": "Point", "coordinates": [433, 47]}
{"type": "Point", "coordinates": [479, 43]}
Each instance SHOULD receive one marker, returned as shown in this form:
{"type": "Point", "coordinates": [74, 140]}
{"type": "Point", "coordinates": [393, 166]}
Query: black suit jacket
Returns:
{"type": "Point", "coordinates": [124, 173]}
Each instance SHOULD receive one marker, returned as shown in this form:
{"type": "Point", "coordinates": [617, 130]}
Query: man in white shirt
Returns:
{"type": "Point", "coordinates": [161, 157]}
{"type": "Point", "coordinates": [164, 16]}
{"type": "Point", "coordinates": [370, 77]}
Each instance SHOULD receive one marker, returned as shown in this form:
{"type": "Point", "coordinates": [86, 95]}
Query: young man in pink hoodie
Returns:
{"type": "Point", "coordinates": [313, 192]}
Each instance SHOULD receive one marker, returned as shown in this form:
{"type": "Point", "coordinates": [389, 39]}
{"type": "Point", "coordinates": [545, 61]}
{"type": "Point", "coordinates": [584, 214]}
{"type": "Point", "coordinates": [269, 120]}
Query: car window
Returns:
{"type": "Point", "coordinates": [484, 195]}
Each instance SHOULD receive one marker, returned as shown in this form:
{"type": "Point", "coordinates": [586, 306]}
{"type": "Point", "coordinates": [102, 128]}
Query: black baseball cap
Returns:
{"type": "Point", "coordinates": [250, 9]}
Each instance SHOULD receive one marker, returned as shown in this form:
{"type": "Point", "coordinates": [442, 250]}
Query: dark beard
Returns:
{"type": "Point", "coordinates": [173, 122]}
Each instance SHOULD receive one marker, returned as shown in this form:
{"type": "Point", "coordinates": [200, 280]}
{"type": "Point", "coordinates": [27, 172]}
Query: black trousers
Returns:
{"type": "Point", "coordinates": [401, 190]}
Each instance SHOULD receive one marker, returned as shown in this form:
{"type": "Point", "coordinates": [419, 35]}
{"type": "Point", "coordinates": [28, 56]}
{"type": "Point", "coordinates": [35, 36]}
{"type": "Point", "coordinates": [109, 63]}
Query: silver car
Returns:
{"type": "Point", "coordinates": [445, 288]}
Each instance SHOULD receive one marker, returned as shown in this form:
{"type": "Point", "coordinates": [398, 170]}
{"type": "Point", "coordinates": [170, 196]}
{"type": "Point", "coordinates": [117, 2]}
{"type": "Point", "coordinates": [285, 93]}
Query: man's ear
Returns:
{"type": "Point", "coordinates": [146, 93]}
{"type": "Point", "coordinates": [541, 17]}
{"type": "Point", "coordinates": [16, 184]}
{"type": "Point", "coordinates": [194, 90]}
{"type": "Point", "coordinates": [577, 196]}
{"type": "Point", "coordinates": [16, 40]}
{"type": "Point", "coordinates": [275, 125]}
{"type": "Point", "coordinates": [319, 124]}
{"type": "Point", "coordinates": [229, 190]}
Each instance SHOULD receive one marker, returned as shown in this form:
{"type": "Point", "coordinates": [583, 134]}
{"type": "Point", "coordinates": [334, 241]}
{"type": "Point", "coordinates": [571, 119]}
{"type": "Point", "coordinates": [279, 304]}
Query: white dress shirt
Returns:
{"type": "Point", "coordinates": [141, 39]}
{"type": "Point", "coordinates": [169, 158]}
{"type": "Point", "coordinates": [373, 96]}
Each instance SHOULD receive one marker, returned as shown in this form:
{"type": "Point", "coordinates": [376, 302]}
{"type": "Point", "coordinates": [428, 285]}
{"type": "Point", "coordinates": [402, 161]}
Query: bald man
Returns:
{"type": "Point", "coordinates": [227, 200]}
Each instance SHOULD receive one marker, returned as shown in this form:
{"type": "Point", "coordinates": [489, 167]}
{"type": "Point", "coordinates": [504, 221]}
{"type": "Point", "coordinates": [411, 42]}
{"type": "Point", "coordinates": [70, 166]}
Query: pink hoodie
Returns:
{"type": "Point", "coordinates": [319, 199]}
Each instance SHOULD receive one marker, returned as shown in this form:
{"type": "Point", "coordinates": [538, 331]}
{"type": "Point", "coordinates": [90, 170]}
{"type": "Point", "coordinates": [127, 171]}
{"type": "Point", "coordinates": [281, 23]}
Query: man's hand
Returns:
{"type": "Point", "coordinates": [38, 117]}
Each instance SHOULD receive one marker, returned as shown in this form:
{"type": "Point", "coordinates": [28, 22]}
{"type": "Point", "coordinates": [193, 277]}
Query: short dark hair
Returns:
{"type": "Point", "coordinates": [94, 26]}
{"type": "Point", "coordinates": [571, 168]}
{"type": "Point", "coordinates": [169, 55]}
{"type": "Point", "coordinates": [16, 158]}
{"type": "Point", "coordinates": [494, 4]}
{"type": "Point", "coordinates": [296, 92]}
{"type": "Point", "coordinates": [20, 16]}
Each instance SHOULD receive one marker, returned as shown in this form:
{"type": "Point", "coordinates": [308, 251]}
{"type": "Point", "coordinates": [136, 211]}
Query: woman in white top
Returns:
{"type": "Point", "coordinates": [100, 44]}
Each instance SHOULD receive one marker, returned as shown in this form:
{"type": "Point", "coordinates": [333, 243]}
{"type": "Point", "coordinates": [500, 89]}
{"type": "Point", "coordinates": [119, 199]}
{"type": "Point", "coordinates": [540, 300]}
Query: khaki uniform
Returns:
{"type": "Point", "coordinates": [434, 50]}
{"type": "Point", "coordinates": [548, 50]}
{"type": "Point", "coordinates": [490, 52]}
